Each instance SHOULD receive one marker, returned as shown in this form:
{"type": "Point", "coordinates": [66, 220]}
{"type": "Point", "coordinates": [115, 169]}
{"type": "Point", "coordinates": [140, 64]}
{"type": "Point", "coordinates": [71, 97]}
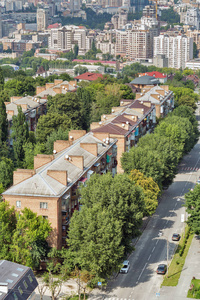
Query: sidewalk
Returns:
{"type": "Point", "coordinates": [190, 269]}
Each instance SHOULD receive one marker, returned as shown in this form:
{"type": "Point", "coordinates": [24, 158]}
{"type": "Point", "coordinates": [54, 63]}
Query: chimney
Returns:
{"type": "Point", "coordinates": [22, 174]}
{"type": "Point", "coordinates": [57, 81]}
{"type": "Point", "coordinates": [49, 85]}
{"type": "Point", "coordinates": [41, 160]}
{"type": "Point", "coordinates": [101, 136]}
{"type": "Point", "coordinates": [60, 145]}
{"type": "Point", "coordinates": [57, 90]}
{"type": "Point", "coordinates": [40, 89]}
{"type": "Point", "coordinates": [59, 175]}
{"type": "Point", "coordinates": [76, 134]}
{"type": "Point", "coordinates": [14, 98]}
{"type": "Point", "coordinates": [90, 147]}
{"type": "Point", "coordinates": [77, 161]}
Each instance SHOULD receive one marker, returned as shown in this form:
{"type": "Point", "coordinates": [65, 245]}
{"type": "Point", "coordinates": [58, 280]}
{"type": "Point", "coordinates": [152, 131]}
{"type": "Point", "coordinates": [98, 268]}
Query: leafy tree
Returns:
{"type": "Point", "coordinates": [20, 136]}
{"type": "Point", "coordinates": [110, 217]}
{"type": "Point", "coordinates": [1, 80]}
{"type": "Point", "coordinates": [80, 70]}
{"type": "Point", "coordinates": [6, 172]}
{"type": "Point", "coordinates": [76, 49]}
{"type": "Point", "coordinates": [49, 123]}
{"type": "Point", "coordinates": [150, 190]}
{"type": "Point", "coordinates": [60, 134]}
{"type": "Point", "coordinates": [170, 16]}
{"type": "Point", "coordinates": [193, 208]}
{"type": "Point", "coordinates": [187, 100]}
{"type": "Point", "coordinates": [86, 106]}
{"type": "Point", "coordinates": [30, 236]}
{"type": "Point", "coordinates": [3, 122]}
{"type": "Point", "coordinates": [7, 226]}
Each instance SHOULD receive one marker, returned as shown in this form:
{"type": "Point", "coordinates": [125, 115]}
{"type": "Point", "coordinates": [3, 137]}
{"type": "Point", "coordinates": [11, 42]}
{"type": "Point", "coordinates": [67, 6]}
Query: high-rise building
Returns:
{"type": "Point", "coordinates": [42, 19]}
{"type": "Point", "coordinates": [178, 49]}
{"type": "Point", "coordinates": [192, 17]}
{"type": "Point", "coordinates": [75, 5]}
{"type": "Point", "coordinates": [139, 4]}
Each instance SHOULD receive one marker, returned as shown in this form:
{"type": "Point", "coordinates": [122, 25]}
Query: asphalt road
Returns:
{"type": "Point", "coordinates": [142, 282]}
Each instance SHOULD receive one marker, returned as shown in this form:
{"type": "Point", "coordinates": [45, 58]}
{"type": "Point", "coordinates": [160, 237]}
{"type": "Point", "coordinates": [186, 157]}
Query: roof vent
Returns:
{"type": "Point", "coordinates": [133, 117]}
{"type": "Point", "coordinates": [71, 137]}
{"type": "Point", "coordinates": [141, 102]}
{"type": "Point", "coordinates": [67, 156]}
{"type": "Point", "coordinates": [38, 100]}
{"type": "Point", "coordinates": [54, 151]}
{"type": "Point", "coordinates": [142, 109]}
{"type": "Point", "coordinates": [113, 110]}
{"type": "Point", "coordinates": [127, 122]}
{"type": "Point", "coordinates": [104, 116]}
{"type": "Point", "coordinates": [141, 94]}
{"type": "Point", "coordinates": [122, 102]}
{"type": "Point", "coordinates": [104, 140]}
{"type": "Point", "coordinates": [100, 123]}
{"type": "Point", "coordinates": [123, 124]}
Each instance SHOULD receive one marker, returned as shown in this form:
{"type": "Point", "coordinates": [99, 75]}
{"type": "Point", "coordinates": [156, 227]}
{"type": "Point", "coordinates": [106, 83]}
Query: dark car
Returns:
{"type": "Point", "coordinates": [176, 237]}
{"type": "Point", "coordinates": [161, 269]}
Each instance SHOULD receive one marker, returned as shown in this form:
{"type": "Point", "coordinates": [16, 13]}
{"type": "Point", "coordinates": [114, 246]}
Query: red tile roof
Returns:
{"type": "Point", "coordinates": [89, 76]}
{"type": "Point", "coordinates": [156, 74]}
{"type": "Point", "coordinates": [56, 25]}
{"type": "Point", "coordinates": [94, 61]}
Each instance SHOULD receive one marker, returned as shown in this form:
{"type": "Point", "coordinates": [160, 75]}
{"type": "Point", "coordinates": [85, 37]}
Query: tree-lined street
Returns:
{"type": "Point", "coordinates": [142, 282]}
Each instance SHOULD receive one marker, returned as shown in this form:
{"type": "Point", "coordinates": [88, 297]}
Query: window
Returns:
{"type": "Point", "coordinates": [44, 205]}
{"type": "Point", "coordinates": [14, 275]}
{"type": "Point", "coordinates": [15, 296]}
{"type": "Point", "coordinates": [25, 284]}
{"type": "Point", "coordinates": [30, 278]}
{"type": "Point", "coordinates": [9, 280]}
{"type": "Point", "coordinates": [20, 290]}
{"type": "Point", "coordinates": [18, 204]}
{"type": "Point", "coordinates": [20, 269]}
{"type": "Point", "coordinates": [45, 217]}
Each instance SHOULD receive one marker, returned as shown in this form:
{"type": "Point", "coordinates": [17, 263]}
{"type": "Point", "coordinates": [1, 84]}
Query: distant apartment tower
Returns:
{"type": "Point", "coordinates": [1, 33]}
{"type": "Point", "coordinates": [110, 3]}
{"type": "Point", "coordinates": [42, 19]}
{"type": "Point", "coordinates": [149, 11]}
{"type": "Point", "coordinates": [139, 4]}
{"type": "Point", "coordinates": [121, 43]}
{"type": "Point", "coordinates": [178, 49]}
{"type": "Point", "coordinates": [120, 20]}
{"type": "Point", "coordinates": [138, 44]}
{"type": "Point", "coordinates": [192, 17]}
{"type": "Point", "coordinates": [75, 5]}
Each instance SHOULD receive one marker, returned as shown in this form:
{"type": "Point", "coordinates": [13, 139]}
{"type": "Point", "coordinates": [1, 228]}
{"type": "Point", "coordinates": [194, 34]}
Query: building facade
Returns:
{"type": "Point", "coordinates": [42, 19]}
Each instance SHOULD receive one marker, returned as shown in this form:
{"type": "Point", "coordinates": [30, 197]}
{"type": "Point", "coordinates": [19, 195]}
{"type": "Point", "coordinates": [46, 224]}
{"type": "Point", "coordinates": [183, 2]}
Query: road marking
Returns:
{"type": "Point", "coordinates": [175, 204]}
{"type": "Point", "coordinates": [142, 271]}
{"type": "Point", "coordinates": [156, 242]}
{"type": "Point", "coordinates": [149, 257]}
{"type": "Point", "coordinates": [153, 249]}
{"type": "Point", "coordinates": [137, 282]}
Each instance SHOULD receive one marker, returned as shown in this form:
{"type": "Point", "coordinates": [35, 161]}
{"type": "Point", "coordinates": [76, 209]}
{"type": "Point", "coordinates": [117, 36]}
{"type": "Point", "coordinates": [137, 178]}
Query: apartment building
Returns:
{"type": "Point", "coordinates": [66, 37]}
{"type": "Point", "coordinates": [134, 118]}
{"type": "Point", "coordinates": [177, 48]}
{"type": "Point", "coordinates": [120, 20]}
{"type": "Point", "coordinates": [121, 43]}
{"type": "Point", "coordinates": [19, 46]}
{"type": "Point", "coordinates": [42, 19]}
{"type": "Point", "coordinates": [51, 189]}
{"type": "Point", "coordinates": [192, 17]}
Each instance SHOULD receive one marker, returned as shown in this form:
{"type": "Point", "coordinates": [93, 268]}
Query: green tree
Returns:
{"type": "Point", "coordinates": [1, 80]}
{"type": "Point", "coordinates": [80, 70]}
{"type": "Point", "coordinates": [187, 100]}
{"type": "Point", "coordinates": [7, 227]}
{"type": "Point", "coordinates": [60, 134]}
{"type": "Point", "coordinates": [6, 172]}
{"type": "Point", "coordinates": [31, 230]}
{"type": "Point", "coordinates": [102, 231]}
{"type": "Point", "coordinates": [193, 208]}
{"type": "Point", "coordinates": [20, 136]}
{"type": "Point", "coordinates": [150, 190]}
{"type": "Point", "coordinates": [49, 123]}
{"type": "Point", "coordinates": [3, 122]}
{"type": "Point", "coordinates": [76, 49]}
{"type": "Point", "coordinates": [86, 106]}
{"type": "Point", "coordinates": [195, 51]}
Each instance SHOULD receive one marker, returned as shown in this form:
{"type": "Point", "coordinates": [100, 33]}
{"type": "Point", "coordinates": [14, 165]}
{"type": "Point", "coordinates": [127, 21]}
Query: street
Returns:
{"type": "Point", "coordinates": [142, 282]}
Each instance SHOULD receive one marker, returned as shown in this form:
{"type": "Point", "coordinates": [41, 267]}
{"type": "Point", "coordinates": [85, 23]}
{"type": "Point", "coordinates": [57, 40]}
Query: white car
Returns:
{"type": "Point", "coordinates": [198, 181]}
{"type": "Point", "coordinates": [126, 266]}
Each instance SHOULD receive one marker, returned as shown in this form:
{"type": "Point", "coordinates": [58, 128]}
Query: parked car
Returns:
{"type": "Point", "coordinates": [126, 266]}
{"type": "Point", "coordinates": [198, 181]}
{"type": "Point", "coordinates": [176, 237]}
{"type": "Point", "coordinates": [161, 269]}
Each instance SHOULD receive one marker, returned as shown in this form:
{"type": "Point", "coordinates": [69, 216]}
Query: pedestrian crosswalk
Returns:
{"type": "Point", "coordinates": [188, 169]}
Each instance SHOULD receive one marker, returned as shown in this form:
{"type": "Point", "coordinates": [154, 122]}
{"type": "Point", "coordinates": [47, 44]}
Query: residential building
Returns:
{"type": "Point", "coordinates": [139, 4]}
{"type": "Point", "coordinates": [88, 77]}
{"type": "Point", "coordinates": [193, 64]}
{"type": "Point", "coordinates": [145, 81]}
{"type": "Point", "coordinates": [120, 20]}
{"type": "Point", "coordinates": [75, 5]}
{"type": "Point", "coordinates": [19, 46]}
{"type": "Point", "coordinates": [195, 34]}
{"type": "Point", "coordinates": [192, 17]}
{"type": "Point", "coordinates": [92, 68]}
{"type": "Point", "coordinates": [121, 43]}
{"type": "Point", "coordinates": [177, 48]}
{"type": "Point", "coordinates": [42, 19]}
{"type": "Point", "coordinates": [160, 61]}
{"type": "Point", "coordinates": [16, 281]}
{"type": "Point", "coordinates": [66, 37]}
{"type": "Point", "coordinates": [51, 189]}
{"type": "Point", "coordinates": [160, 76]}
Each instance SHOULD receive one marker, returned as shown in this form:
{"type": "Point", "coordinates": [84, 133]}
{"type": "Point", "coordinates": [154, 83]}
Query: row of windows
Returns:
{"type": "Point", "coordinates": [25, 287]}
{"type": "Point", "coordinates": [43, 205]}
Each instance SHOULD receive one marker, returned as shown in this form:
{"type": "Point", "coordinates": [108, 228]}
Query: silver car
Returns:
{"type": "Point", "coordinates": [126, 266]}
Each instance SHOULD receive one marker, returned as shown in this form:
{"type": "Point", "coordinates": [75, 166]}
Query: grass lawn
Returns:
{"type": "Point", "coordinates": [194, 292]}
{"type": "Point", "coordinates": [177, 264]}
